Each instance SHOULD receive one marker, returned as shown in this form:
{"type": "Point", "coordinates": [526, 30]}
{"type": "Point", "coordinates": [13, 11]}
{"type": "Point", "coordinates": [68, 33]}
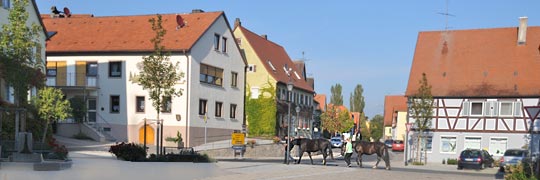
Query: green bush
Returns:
{"type": "Point", "coordinates": [518, 172]}
{"type": "Point", "coordinates": [451, 161]}
{"type": "Point", "coordinates": [418, 163]}
{"type": "Point", "coordinates": [129, 151]}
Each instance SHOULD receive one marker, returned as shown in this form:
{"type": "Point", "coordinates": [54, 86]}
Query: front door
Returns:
{"type": "Point", "coordinates": [149, 135]}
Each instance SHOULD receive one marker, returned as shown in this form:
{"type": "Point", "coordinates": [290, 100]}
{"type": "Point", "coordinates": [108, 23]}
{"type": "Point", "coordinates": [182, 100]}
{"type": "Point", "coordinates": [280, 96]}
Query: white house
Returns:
{"type": "Point", "coordinates": [96, 57]}
{"type": "Point", "coordinates": [6, 92]}
{"type": "Point", "coordinates": [481, 79]}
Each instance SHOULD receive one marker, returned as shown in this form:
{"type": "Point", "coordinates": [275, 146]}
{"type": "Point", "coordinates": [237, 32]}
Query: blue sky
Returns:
{"type": "Point", "coordinates": [348, 42]}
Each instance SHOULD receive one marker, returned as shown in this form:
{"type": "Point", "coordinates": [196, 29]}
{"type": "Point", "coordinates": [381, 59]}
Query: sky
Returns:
{"type": "Point", "coordinates": [349, 42]}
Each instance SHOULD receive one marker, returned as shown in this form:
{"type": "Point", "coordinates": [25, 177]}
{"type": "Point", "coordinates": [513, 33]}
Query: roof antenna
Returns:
{"type": "Point", "coordinates": [446, 14]}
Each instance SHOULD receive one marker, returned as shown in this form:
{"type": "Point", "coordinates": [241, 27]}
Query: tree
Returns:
{"type": "Point", "coordinates": [337, 97]}
{"type": "Point", "coordinates": [422, 111]}
{"type": "Point", "coordinates": [51, 106]}
{"type": "Point", "coordinates": [356, 101]}
{"type": "Point", "coordinates": [20, 46]}
{"type": "Point", "coordinates": [78, 109]}
{"type": "Point", "coordinates": [158, 74]}
{"type": "Point", "coordinates": [376, 127]}
{"type": "Point", "coordinates": [336, 120]}
{"type": "Point", "coordinates": [364, 128]}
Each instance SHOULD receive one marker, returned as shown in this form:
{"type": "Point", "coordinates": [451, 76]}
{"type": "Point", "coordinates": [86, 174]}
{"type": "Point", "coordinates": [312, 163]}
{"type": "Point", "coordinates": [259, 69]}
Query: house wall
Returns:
{"type": "Point", "coordinates": [231, 61]}
{"type": "Point", "coordinates": [400, 129]}
{"type": "Point", "coordinates": [452, 127]}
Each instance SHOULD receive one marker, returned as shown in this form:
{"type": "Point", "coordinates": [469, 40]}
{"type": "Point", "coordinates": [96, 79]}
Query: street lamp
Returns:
{"type": "Point", "coordinates": [290, 86]}
{"type": "Point", "coordinates": [408, 125]}
{"type": "Point", "coordinates": [298, 121]}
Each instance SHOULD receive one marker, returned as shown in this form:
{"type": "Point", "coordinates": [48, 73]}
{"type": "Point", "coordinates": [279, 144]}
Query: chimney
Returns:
{"type": "Point", "coordinates": [522, 31]}
{"type": "Point", "coordinates": [237, 22]}
{"type": "Point", "coordinates": [197, 11]}
{"type": "Point", "coordinates": [264, 36]}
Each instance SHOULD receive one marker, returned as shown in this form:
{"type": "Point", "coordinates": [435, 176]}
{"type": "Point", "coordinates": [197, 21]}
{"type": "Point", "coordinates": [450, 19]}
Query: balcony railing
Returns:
{"type": "Point", "coordinates": [72, 80]}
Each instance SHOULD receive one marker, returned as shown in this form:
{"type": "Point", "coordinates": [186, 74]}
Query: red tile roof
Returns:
{"type": "Point", "coordinates": [269, 51]}
{"type": "Point", "coordinates": [321, 99]}
{"type": "Point", "coordinates": [477, 63]}
{"type": "Point", "coordinates": [125, 33]}
{"type": "Point", "coordinates": [391, 105]}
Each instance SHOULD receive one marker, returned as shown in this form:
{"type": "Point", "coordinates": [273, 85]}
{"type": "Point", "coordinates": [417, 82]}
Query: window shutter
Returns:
{"type": "Point", "coordinates": [487, 108]}
{"type": "Point", "coordinates": [495, 105]}
{"type": "Point", "coordinates": [518, 109]}
{"type": "Point", "coordinates": [466, 108]}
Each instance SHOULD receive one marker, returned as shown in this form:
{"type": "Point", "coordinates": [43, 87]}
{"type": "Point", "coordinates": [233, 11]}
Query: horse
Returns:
{"type": "Point", "coordinates": [312, 145]}
{"type": "Point", "coordinates": [369, 148]}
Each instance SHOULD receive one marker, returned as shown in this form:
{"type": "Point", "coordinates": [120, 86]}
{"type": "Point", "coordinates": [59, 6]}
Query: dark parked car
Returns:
{"type": "Point", "coordinates": [388, 143]}
{"type": "Point", "coordinates": [474, 159]}
{"type": "Point", "coordinates": [513, 157]}
{"type": "Point", "coordinates": [398, 145]}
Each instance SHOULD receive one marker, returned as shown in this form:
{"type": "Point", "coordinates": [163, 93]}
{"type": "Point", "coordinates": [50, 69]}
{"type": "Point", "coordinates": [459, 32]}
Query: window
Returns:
{"type": "Point", "coordinates": [233, 111]}
{"type": "Point", "coordinates": [219, 106]}
{"type": "Point", "coordinates": [234, 79]}
{"type": "Point", "coordinates": [202, 106]}
{"type": "Point", "coordinates": [115, 104]}
{"type": "Point", "coordinates": [139, 103]}
{"type": "Point", "coordinates": [51, 72]}
{"type": "Point", "coordinates": [251, 68]}
{"type": "Point", "coordinates": [497, 146]}
{"type": "Point", "coordinates": [476, 108]}
{"type": "Point", "coordinates": [6, 4]}
{"type": "Point", "coordinates": [166, 104]}
{"type": "Point", "coordinates": [254, 92]}
{"type": "Point", "coordinates": [211, 75]}
{"type": "Point", "coordinates": [224, 44]}
{"type": "Point", "coordinates": [91, 69]}
{"type": "Point", "coordinates": [216, 42]}
{"type": "Point", "coordinates": [428, 142]}
{"type": "Point", "coordinates": [506, 109]}
{"type": "Point", "coordinates": [115, 69]}
{"type": "Point", "coordinates": [448, 144]}
{"type": "Point", "coordinates": [473, 142]}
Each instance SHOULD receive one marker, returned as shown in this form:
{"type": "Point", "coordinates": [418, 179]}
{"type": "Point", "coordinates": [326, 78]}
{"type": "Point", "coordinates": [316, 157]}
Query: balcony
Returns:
{"type": "Point", "coordinates": [72, 80]}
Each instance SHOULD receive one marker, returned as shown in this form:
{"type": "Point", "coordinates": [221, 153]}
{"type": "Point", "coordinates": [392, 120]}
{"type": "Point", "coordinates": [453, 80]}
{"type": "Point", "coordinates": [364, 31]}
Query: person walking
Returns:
{"type": "Point", "coordinates": [348, 151]}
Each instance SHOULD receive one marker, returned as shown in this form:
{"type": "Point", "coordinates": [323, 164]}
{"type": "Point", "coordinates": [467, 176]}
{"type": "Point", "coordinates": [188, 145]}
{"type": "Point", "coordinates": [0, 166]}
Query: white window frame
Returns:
{"type": "Point", "coordinates": [255, 91]}
{"type": "Point", "coordinates": [252, 68]}
{"type": "Point", "coordinates": [441, 145]}
{"type": "Point", "coordinates": [471, 108]}
{"type": "Point", "coordinates": [475, 137]}
{"type": "Point", "coordinates": [511, 108]}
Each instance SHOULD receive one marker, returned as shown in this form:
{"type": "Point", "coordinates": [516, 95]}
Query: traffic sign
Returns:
{"type": "Point", "coordinates": [408, 125]}
{"type": "Point", "coordinates": [532, 111]}
{"type": "Point", "coordinates": [237, 139]}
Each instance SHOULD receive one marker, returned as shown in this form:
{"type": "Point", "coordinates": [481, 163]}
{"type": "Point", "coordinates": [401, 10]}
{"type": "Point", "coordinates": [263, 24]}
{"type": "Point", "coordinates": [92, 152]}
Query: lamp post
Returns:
{"type": "Point", "coordinates": [290, 86]}
{"type": "Point", "coordinates": [297, 121]}
{"type": "Point", "coordinates": [407, 125]}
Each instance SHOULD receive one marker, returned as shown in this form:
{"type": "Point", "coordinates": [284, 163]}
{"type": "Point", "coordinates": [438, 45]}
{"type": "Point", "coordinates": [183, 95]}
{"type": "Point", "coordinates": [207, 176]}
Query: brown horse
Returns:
{"type": "Point", "coordinates": [369, 148]}
{"type": "Point", "coordinates": [312, 145]}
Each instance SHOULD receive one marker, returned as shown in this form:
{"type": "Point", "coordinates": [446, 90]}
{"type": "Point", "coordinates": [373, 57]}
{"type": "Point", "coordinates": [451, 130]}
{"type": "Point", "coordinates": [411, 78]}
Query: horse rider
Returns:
{"type": "Point", "coordinates": [348, 151]}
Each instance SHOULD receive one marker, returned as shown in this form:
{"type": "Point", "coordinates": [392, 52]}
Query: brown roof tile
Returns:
{"type": "Point", "coordinates": [477, 63]}
{"type": "Point", "coordinates": [124, 33]}
{"type": "Point", "coordinates": [321, 99]}
{"type": "Point", "coordinates": [391, 105]}
{"type": "Point", "coordinates": [269, 51]}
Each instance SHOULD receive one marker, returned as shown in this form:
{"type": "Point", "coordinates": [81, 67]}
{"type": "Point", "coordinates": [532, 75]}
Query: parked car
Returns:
{"type": "Point", "coordinates": [475, 159]}
{"type": "Point", "coordinates": [397, 145]}
{"type": "Point", "coordinates": [388, 143]}
{"type": "Point", "coordinates": [336, 142]}
{"type": "Point", "coordinates": [513, 157]}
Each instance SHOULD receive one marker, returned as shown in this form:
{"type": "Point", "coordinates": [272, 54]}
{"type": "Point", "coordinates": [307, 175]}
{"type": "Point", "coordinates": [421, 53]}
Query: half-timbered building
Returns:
{"type": "Point", "coordinates": [481, 79]}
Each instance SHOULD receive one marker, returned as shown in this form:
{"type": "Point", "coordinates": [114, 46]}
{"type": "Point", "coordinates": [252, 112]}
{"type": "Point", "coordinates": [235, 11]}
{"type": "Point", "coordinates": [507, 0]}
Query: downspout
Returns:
{"type": "Point", "coordinates": [244, 125]}
{"type": "Point", "coordinates": [187, 99]}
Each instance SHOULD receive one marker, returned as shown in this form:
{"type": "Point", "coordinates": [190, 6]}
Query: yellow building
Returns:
{"type": "Point", "coordinates": [269, 65]}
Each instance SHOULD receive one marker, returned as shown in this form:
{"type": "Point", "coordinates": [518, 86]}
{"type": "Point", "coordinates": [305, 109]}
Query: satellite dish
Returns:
{"type": "Point", "coordinates": [180, 22]}
{"type": "Point", "coordinates": [67, 12]}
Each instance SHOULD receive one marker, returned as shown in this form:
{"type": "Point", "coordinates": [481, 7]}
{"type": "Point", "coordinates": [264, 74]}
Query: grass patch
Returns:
{"type": "Point", "coordinates": [82, 136]}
